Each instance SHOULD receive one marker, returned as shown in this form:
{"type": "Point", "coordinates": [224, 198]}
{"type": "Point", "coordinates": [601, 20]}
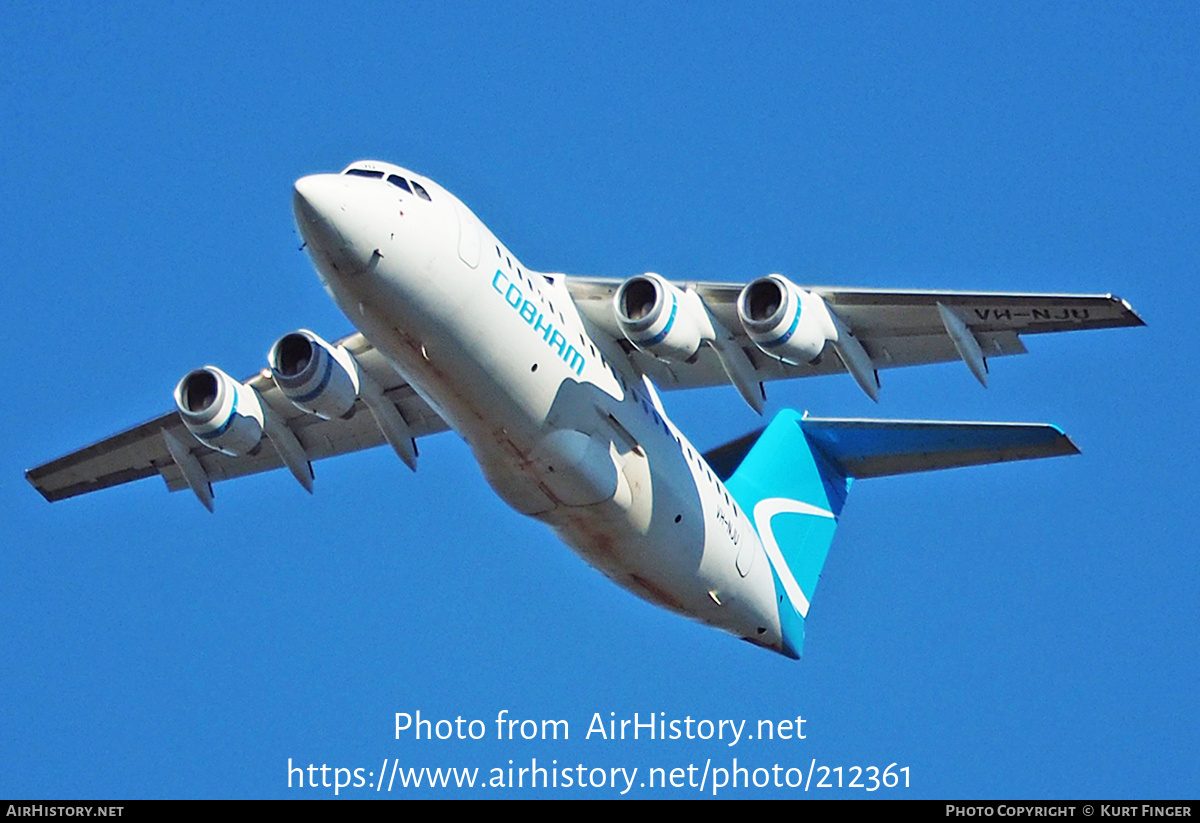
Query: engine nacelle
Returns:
{"type": "Point", "coordinates": [224, 414]}
{"type": "Point", "coordinates": [315, 376]}
{"type": "Point", "coordinates": [785, 321]}
{"type": "Point", "coordinates": [658, 318]}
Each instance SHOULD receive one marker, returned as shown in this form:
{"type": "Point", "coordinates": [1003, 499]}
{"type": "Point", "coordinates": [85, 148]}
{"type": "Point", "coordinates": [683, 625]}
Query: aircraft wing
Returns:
{"type": "Point", "coordinates": [144, 450]}
{"type": "Point", "coordinates": [895, 328]}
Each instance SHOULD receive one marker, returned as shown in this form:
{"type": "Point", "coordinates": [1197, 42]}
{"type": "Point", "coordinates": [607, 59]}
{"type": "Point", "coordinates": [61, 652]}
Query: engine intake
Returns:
{"type": "Point", "coordinates": [315, 376]}
{"type": "Point", "coordinates": [222, 413]}
{"type": "Point", "coordinates": [658, 318]}
{"type": "Point", "coordinates": [785, 321]}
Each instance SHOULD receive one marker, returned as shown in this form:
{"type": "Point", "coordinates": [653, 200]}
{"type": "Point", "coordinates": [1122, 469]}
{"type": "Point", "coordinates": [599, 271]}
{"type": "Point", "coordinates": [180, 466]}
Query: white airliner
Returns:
{"type": "Point", "coordinates": [552, 381]}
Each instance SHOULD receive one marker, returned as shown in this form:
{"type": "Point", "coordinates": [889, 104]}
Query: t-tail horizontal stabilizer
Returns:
{"type": "Point", "coordinates": [802, 467]}
{"type": "Point", "coordinates": [877, 448]}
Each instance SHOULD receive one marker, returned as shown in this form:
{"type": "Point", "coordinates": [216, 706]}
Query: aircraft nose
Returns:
{"type": "Point", "coordinates": [338, 216]}
{"type": "Point", "coordinates": [318, 200]}
{"type": "Point", "coordinates": [335, 223]}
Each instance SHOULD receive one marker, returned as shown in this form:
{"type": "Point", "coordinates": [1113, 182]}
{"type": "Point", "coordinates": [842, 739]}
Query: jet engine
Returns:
{"type": "Point", "coordinates": [224, 414]}
{"type": "Point", "coordinates": [658, 318]}
{"type": "Point", "coordinates": [315, 376]}
{"type": "Point", "coordinates": [785, 321]}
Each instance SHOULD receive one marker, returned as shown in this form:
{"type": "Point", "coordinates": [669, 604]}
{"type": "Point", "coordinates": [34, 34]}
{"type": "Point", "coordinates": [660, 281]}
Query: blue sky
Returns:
{"type": "Point", "coordinates": [1025, 630]}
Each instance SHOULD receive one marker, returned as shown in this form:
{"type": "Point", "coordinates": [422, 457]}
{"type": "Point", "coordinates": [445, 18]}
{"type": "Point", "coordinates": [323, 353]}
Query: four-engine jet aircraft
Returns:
{"type": "Point", "coordinates": [553, 381]}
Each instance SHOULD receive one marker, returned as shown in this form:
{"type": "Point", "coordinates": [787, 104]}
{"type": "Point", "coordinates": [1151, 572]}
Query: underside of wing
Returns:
{"type": "Point", "coordinates": [866, 329]}
{"type": "Point", "coordinates": [146, 450]}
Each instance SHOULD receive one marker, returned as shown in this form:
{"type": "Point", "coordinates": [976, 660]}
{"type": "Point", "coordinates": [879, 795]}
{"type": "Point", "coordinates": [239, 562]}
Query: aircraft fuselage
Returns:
{"type": "Point", "coordinates": [561, 425]}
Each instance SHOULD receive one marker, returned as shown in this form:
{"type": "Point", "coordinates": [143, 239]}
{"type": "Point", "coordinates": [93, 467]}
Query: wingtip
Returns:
{"type": "Point", "coordinates": [33, 482]}
{"type": "Point", "coordinates": [1066, 444]}
{"type": "Point", "coordinates": [1131, 314]}
{"type": "Point", "coordinates": [1070, 448]}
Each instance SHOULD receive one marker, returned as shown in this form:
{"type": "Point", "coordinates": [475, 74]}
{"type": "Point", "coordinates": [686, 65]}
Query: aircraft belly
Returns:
{"type": "Point", "coordinates": [689, 566]}
{"type": "Point", "coordinates": [487, 350]}
{"type": "Point", "coordinates": [491, 379]}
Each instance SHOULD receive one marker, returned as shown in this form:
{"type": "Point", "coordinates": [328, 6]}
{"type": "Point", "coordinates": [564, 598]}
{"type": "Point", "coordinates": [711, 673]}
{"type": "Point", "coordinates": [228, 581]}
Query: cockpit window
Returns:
{"type": "Point", "coordinates": [397, 180]}
{"type": "Point", "coordinates": [364, 172]}
{"type": "Point", "coordinates": [420, 191]}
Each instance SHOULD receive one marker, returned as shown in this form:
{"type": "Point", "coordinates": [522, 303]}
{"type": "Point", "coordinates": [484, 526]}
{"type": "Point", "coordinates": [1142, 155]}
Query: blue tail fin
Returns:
{"type": "Point", "coordinates": [793, 476]}
{"type": "Point", "coordinates": [794, 495]}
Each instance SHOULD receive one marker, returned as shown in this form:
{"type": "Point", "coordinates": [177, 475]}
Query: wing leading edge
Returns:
{"type": "Point", "coordinates": [146, 450]}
